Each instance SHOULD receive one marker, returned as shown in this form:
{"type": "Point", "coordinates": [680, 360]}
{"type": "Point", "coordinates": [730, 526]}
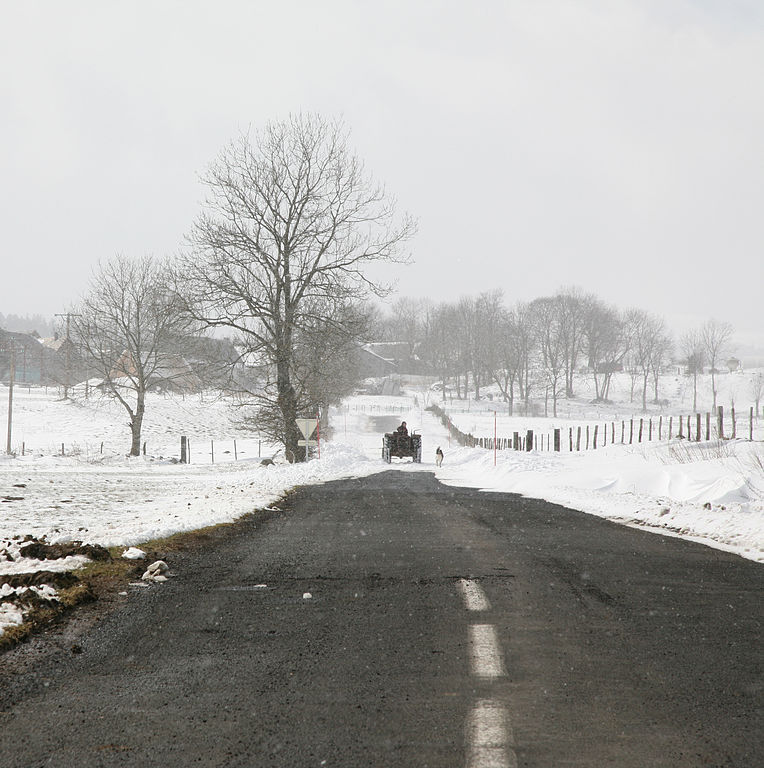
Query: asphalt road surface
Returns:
{"type": "Point", "coordinates": [393, 621]}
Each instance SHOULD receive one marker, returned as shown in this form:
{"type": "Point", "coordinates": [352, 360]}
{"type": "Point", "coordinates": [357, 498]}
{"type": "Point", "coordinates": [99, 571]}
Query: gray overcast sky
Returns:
{"type": "Point", "coordinates": [617, 145]}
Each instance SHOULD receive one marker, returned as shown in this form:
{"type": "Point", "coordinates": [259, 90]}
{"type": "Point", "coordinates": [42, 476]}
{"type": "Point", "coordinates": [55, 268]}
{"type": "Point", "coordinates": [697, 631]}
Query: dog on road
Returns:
{"type": "Point", "coordinates": [438, 456]}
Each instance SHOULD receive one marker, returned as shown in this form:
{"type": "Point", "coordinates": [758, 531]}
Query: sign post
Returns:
{"type": "Point", "coordinates": [307, 427]}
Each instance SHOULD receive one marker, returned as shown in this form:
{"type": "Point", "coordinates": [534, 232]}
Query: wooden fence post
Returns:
{"type": "Point", "coordinates": [623, 431]}
{"type": "Point", "coordinates": [650, 430]}
{"type": "Point", "coordinates": [708, 426]}
{"type": "Point", "coordinates": [183, 449]}
{"type": "Point", "coordinates": [750, 425]}
{"type": "Point", "coordinates": [631, 431]}
{"type": "Point", "coordinates": [641, 424]}
{"type": "Point", "coordinates": [681, 427]}
{"type": "Point", "coordinates": [689, 431]}
{"type": "Point", "coordinates": [698, 429]}
{"type": "Point", "coordinates": [671, 426]}
{"type": "Point", "coordinates": [587, 437]}
{"type": "Point", "coordinates": [571, 439]}
{"type": "Point", "coordinates": [235, 454]}
{"type": "Point", "coordinates": [529, 441]}
{"type": "Point", "coordinates": [578, 439]}
{"type": "Point", "coordinates": [596, 427]}
{"type": "Point", "coordinates": [557, 435]}
{"type": "Point", "coordinates": [612, 432]}
{"type": "Point", "coordinates": [734, 424]}
{"type": "Point", "coordinates": [516, 440]}
{"type": "Point", "coordinates": [660, 428]}
{"type": "Point", "coordinates": [720, 421]}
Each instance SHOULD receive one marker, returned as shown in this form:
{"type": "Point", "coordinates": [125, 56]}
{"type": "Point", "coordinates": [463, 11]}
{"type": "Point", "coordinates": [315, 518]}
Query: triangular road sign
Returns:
{"type": "Point", "coordinates": [306, 426]}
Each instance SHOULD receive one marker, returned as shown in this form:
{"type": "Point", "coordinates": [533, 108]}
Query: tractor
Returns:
{"type": "Point", "coordinates": [401, 446]}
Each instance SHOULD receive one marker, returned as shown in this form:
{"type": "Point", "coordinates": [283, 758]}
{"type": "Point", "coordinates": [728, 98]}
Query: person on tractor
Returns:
{"type": "Point", "coordinates": [403, 430]}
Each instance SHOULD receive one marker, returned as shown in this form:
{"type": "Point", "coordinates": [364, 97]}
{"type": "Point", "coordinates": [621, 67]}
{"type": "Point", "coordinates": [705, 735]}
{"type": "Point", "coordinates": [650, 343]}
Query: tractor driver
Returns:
{"type": "Point", "coordinates": [403, 430]}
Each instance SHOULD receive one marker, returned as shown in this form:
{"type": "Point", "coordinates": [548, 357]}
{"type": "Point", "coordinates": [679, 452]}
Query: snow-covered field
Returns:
{"type": "Point", "coordinates": [710, 492]}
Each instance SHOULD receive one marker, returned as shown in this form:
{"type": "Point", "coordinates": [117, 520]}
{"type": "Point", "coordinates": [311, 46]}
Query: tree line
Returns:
{"type": "Point", "coordinates": [532, 350]}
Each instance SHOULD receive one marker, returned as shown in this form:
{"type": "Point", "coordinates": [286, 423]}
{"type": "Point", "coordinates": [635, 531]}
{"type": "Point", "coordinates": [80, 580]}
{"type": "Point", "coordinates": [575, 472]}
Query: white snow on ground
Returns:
{"type": "Point", "coordinates": [710, 492]}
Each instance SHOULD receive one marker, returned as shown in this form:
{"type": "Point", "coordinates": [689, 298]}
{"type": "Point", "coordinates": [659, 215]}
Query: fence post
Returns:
{"type": "Point", "coordinates": [650, 430]}
{"type": "Point", "coordinates": [734, 424]}
{"type": "Point", "coordinates": [623, 431]}
{"type": "Point", "coordinates": [671, 426]}
{"type": "Point", "coordinates": [660, 428]}
{"type": "Point", "coordinates": [750, 425]}
{"type": "Point", "coordinates": [596, 427]}
{"type": "Point", "coordinates": [681, 428]}
{"type": "Point", "coordinates": [183, 449]}
{"type": "Point", "coordinates": [578, 439]}
{"type": "Point", "coordinates": [612, 432]}
{"type": "Point", "coordinates": [557, 435]}
{"type": "Point", "coordinates": [516, 440]}
{"type": "Point", "coordinates": [631, 430]}
{"type": "Point", "coordinates": [720, 421]}
{"type": "Point", "coordinates": [570, 435]}
{"type": "Point", "coordinates": [708, 426]}
{"type": "Point", "coordinates": [641, 424]}
{"type": "Point", "coordinates": [587, 437]}
{"type": "Point", "coordinates": [698, 429]}
{"type": "Point", "coordinates": [235, 454]}
{"type": "Point", "coordinates": [529, 441]}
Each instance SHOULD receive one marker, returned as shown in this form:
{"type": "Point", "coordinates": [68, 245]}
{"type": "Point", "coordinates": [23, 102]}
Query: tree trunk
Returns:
{"type": "Point", "coordinates": [695, 391]}
{"type": "Point", "coordinates": [136, 422]}
{"type": "Point", "coordinates": [287, 403]}
{"type": "Point", "coordinates": [644, 394]}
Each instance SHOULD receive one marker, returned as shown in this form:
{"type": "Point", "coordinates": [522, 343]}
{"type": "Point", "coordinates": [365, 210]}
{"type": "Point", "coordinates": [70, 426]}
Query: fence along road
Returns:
{"type": "Point", "coordinates": [394, 621]}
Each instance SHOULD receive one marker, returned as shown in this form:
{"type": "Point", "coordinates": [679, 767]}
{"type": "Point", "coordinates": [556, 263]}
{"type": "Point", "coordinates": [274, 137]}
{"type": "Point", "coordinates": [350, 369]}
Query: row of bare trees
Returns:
{"type": "Point", "coordinates": [533, 349]}
{"type": "Point", "coordinates": [276, 258]}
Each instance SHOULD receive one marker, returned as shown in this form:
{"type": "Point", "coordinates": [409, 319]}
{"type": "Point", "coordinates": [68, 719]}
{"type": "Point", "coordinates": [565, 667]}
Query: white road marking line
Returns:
{"type": "Point", "coordinates": [489, 737]}
{"type": "Point", "coordinates": [474, 597]}
{"type": "Point", "coordinates": [485, 653]}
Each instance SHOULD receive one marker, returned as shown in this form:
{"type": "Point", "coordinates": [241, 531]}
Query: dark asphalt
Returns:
{"type": "Point", "coordinates": [622, 648]}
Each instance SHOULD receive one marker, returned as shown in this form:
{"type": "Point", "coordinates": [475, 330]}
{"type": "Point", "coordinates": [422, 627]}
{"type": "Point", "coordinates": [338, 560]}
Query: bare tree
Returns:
{"type": "Point", "coordinates": [648, 344]}
{"type": "Point", "coordinates": [607, 343]}
{"type": "Point", "coordinates": [291, 221]}
{"type": "Point", "coordinates": [693, 351]}
{"type": "Point", "coordinates": [716, 336]}
{"type": "Point", "coordinates": [129, 326]}
{"type": "Point", "coordinates": [547, 313]}
{"type": "Point", "coordinates": [572, 305]}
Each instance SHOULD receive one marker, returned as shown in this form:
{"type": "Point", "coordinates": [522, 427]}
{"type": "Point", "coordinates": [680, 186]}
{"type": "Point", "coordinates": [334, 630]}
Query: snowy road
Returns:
{"type": "Point", "coordinates": [394, 621]}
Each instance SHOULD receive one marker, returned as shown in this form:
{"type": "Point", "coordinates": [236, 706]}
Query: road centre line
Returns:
{"type": "Point", "coordinates": [489, 737]}
{"type": "Point", "coordinates": [474, 597]}
{"type": "Point", "coordinates": [485, 653]}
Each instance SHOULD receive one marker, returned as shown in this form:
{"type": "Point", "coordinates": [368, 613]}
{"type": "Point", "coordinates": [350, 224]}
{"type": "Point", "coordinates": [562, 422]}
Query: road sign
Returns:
{"type": "Point", "coordinates": [306, 426]}
{"type": "Point", "coordinates": [307, 442]}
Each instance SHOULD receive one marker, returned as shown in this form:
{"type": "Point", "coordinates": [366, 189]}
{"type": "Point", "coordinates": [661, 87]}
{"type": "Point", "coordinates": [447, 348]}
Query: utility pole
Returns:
{"type": "Point", "coordinates": [10, 398]}
{"type": "Point", "coordinates": [68, 316]}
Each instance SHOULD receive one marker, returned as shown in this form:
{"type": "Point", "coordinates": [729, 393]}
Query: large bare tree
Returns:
{"type": "Point", "coordinates": [290, 225]}
{"type": "Point", "coordinates": [130, 328]}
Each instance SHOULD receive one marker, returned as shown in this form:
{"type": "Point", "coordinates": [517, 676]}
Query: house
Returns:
{"type": "Point", "coordinates": [35, 361]}
{"type": "Point", "coordinates": [373, 365]}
